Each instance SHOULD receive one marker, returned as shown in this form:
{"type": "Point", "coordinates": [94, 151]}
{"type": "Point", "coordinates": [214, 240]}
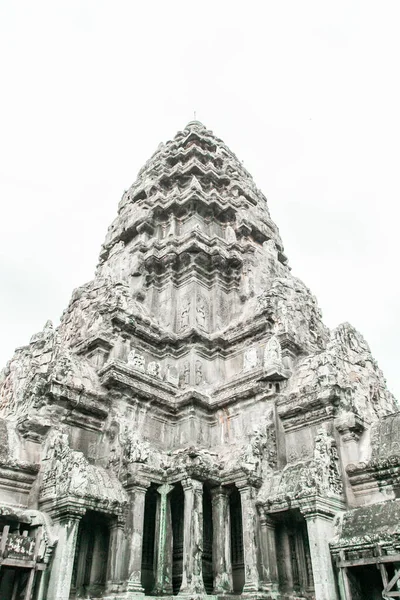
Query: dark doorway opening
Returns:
{"type": "Point", "coordinates": [177, 501]}
{"type": "Point", "coordinates": [293, 554]}
{"type": "Point", "coordinates": [366, 582]}
{"type": "Point", "coordinates": [149, 531]}
{"type": "Point", "coordinates": [235, 508]}
{"type": "Point", "coordinates": [13, 582]}
{"type": "Point", "coordinates": [207, 566]}
{"type": "Point", "coordinates": [91, 556]}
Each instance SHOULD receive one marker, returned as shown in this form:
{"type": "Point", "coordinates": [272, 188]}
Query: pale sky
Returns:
{"type": "Point", "coordinates": [306, 93]}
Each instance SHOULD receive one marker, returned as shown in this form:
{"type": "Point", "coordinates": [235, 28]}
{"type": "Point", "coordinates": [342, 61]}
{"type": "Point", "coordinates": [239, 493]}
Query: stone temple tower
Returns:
{"type": "Point", "coordinates": [191, 427]}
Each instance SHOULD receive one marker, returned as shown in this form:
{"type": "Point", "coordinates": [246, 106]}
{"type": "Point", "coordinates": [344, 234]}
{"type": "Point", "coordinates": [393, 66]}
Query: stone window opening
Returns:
{"type": "Point", "coordinates": [91, 556]}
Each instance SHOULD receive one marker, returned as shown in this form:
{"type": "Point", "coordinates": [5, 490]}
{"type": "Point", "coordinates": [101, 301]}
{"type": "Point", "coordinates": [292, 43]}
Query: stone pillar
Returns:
{"type": "Point", "coordinates": [116, 554]}
{"type": "Point", "coordinates": [320, 532]}
{"type": "Point", "coordinates": [269, 566]}
{"type": "Point", "coordinates": [249, 524]}
{"type": "Point", "coordinates": [66, 526]}
{"type": "Point", "coordinates": [163, 573]}
{"type": "Point", "coordinates": [192, 572]}
{"type": "Point", "coordinates": [137, 494]}
{"type": "Point", "coordinates": [222, 562]}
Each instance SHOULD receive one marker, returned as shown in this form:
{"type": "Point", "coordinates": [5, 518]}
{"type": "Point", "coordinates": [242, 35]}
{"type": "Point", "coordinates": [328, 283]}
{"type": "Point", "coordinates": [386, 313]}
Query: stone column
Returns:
{"type": "Point", "coordinates": [137, 494]}
{"type": "Point", "coordinates": [66, 526]}
{"type": "Point", "coordinates": [269, 566]}
{"type": "Point", "coordinates": [116, 554]}
{"type": "Point", "coordinates": [163, 574]}
{"type": "Point", "coordinates": [320, 532]}
{"type": "Point", "coordinates": [222, 562]}
{"type": "Point", "coordinates": [249, 524]}
{"type": "Point", "coordinates": [192, 572]}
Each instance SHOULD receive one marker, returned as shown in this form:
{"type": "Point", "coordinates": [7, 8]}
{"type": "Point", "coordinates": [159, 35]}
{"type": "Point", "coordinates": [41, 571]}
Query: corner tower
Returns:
{"type": "Point", "coordinates": [186, 428]}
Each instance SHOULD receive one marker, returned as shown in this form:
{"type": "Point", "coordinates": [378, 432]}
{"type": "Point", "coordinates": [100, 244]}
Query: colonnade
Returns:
{"type": "Point", "coordinates": [124, 566]}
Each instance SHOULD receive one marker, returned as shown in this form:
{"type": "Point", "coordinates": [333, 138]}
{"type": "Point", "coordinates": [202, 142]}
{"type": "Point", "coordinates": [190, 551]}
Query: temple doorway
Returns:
{"type": "Point", "coordinates": [177, 515]}
{"type": "Point", "coordinates": [13, 583]}
{"type": "Point", "coordinates": [207, 566]}
{"type": "Point", "coordinates": [91, 555]}
{"type": "Point", "coordinates": [293, 554]}
{"type": "Point", "coordinates": [235, 508]}
{"type": "Point", "coordinates": [149, 531]}
{"type": "Point", "coordinates": [366, 582]}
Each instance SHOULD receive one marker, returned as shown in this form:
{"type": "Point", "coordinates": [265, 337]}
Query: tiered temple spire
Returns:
{"type": "Point", "coordinates": [187, 427]}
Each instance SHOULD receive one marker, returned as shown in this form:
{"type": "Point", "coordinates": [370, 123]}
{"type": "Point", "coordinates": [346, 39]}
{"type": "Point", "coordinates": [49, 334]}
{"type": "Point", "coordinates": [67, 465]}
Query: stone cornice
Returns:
{"type": "Point", "coordinates": [85, 408]}
{"type": "Point", "coordinates": [162, 341]}
{"type": "Point", "coordinates": [100, 340]}
{"type": "Point", "coordinates": [314, 407]}
{"type": "Point", "coordinates": [18, 476]}
{"type": "Point", "coordinates": [173, 400]}
{"type": "Point", "coordinates": [311, 506]}
{"type": "Point", "coordinates": [365, 477]}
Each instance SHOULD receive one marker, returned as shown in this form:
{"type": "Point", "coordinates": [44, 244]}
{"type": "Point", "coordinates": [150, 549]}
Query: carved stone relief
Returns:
{"type": "Point", "coordinates": [272, 352]}
{"type": "Point", "coordinates": [185, 315]}
{"type": "Point", "coordinates": [201, 312]}
{"type": "Point", "coordinates": [172, 375]}
{"type": "Point", "coordinates": [250, 359]}
{"type": "Point", "coordinates": [186, 373]}
{"type": "Point", "coordinates": [136, 361]}
{"type": "Point", "coordinates": [198, 372]}
{"type": "Point", "coordinates": [153, 369]}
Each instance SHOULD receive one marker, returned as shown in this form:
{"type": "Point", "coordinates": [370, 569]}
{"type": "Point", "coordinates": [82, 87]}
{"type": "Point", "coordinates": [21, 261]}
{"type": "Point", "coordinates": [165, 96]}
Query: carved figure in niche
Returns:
{"type": "Point", "coordinates": [133, 449]}
{"type": "Point", "coordinates": [272, 352]}
{"type": "Point", "coordinates": [114, 454]}
{"type": "Point", "coordinates": [230, 234]}
{"type": "Point", "coordinates": [250, 359]}
{"type": "Point", "coordinates": [186, 372]}
{"type": "Point", "coordinates": [172, 375]}
{"type": "Point", "coordinates": [327, 460]}
{"type": "Point", "coordinates": [172, 226]}
{"type": "Point", "coordinates": [198, 372]}
{"type": "Point", "coordinates": [65, 470]}
{"type": "Point", "coordinates": [153, 369]}
{"type": "Point", "coordinates": [261, 449]}
{"type": "Point", "coordinates": [136, 361]}
{"type": "Point", "coordinates": [201, 313]}
{"type": "Point", "coordinates": [64, 370]}
{"type": "Point", "coordinates": [248, 280]}
{"type": "Point", "coordinates": [185, 316]}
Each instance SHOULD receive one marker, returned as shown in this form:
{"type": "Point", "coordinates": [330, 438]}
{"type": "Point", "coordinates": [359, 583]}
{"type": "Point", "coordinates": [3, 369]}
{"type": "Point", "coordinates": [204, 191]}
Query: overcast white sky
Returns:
{"type": "Point", "coordinates": [305, 93]}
